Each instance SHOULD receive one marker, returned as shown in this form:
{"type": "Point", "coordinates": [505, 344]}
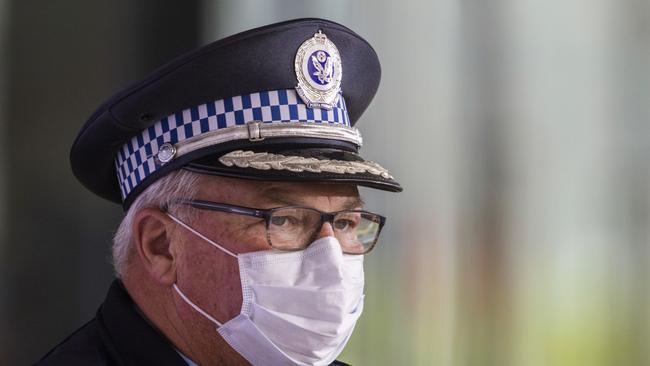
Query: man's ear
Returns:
{"type": "Point", "coordinates": [152, 235]}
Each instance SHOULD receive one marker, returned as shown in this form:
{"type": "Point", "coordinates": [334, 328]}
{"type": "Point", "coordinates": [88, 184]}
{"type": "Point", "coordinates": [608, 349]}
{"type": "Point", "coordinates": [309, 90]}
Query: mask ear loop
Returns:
{"type": "Point", "coordinates": [180, 293]}
{"type": "Point", "coordinates": [181, 223]}
{"type": "Point", "coordinates": [196, 307]}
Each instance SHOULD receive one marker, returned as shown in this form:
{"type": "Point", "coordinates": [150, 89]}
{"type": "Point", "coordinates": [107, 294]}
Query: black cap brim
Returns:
{"type": "Point", "coordinates": [307, 171]}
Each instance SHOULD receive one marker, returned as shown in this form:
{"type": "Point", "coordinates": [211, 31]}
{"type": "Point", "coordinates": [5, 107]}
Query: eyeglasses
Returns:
{"type": "Point", "coordinates": [295, 227]}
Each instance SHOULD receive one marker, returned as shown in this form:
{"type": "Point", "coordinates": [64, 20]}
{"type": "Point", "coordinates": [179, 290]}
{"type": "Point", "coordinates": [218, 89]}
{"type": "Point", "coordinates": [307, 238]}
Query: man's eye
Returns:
{"type": "Point", "coordinates": [283, 220]}
{"type": "Point", "coordinates": [344, 224]}
{"type": "Point", "coordinates": [278, 220]}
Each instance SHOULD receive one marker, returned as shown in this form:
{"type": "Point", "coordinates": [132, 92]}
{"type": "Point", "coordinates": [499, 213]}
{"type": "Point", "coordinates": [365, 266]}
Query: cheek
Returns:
{"type": "Point", "coordinates": [211, 279]}
{"type": "Point", "coordinates": [209, 276]}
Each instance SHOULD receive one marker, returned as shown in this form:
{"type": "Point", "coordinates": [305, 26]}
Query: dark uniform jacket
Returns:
{"type": "Point", "coordinates": [118, 335]}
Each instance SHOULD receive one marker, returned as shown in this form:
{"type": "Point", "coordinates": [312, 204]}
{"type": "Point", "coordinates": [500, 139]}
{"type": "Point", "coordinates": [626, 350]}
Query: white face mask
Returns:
{"type": "Point", "coordinates": [299, 308]}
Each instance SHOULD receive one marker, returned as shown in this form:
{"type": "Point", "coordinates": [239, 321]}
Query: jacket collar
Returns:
{"type": "Point", "coordinates": [128, 336]}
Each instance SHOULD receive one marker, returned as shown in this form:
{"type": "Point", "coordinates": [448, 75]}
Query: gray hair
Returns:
{"type": "Point", "coordinates": [177, 184]}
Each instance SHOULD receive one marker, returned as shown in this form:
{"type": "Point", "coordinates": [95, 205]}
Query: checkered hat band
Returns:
{"type": "Point", "coordinates": [136, 160]}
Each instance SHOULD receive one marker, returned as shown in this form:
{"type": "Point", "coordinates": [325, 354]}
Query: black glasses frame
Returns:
{"type": "Point", "coordinates": [266, 214]}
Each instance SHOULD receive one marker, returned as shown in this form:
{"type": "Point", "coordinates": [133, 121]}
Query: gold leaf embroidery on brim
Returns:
{"type": "Point", "coordinates": [267, 161]}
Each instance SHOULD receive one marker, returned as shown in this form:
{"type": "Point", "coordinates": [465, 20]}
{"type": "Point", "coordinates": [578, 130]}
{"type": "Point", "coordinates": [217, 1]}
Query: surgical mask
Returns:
{"type": "Point", "coordinates": [298, 308]}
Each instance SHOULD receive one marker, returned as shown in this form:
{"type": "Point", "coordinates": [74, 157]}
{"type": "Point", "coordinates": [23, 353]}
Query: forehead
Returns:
{"type": "Point", "coordinates": [271, 194]}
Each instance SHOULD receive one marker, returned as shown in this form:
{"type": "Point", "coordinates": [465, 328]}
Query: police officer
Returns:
{"type": "Point", "coordinates": [244, 235]}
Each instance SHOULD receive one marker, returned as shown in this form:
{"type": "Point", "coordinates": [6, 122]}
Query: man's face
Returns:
{"type": "Point", "coordinates": [209, 276]}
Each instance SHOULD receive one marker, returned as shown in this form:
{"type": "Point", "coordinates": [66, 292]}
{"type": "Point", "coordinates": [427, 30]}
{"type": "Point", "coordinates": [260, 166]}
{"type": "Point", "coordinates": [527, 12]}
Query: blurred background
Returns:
{"type": "Point", "coordinates": [519, 129]}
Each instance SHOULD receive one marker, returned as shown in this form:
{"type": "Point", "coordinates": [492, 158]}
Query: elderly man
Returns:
{"type": "Point", "coordinates": [238, 167]}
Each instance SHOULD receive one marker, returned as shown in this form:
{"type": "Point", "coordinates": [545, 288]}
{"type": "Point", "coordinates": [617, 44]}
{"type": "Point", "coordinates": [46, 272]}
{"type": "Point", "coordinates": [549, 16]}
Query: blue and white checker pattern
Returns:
{"type": "Point", "coordinates": [136, 160]}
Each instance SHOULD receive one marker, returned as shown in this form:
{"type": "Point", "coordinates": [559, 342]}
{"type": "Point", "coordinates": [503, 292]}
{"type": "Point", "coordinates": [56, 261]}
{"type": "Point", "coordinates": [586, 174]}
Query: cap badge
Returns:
{"type": "Point", "coordinates": [318, 70]}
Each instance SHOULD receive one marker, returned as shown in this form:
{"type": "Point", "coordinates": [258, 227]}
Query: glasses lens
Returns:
{"type": "Point", "coordinates": [356, 231]}
{"type": "Point", "coordinates": [292, 228]}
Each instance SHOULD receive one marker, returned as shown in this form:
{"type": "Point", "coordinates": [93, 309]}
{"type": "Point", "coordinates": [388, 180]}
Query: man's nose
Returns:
{"type": "Point", "coordinates": [325, 230]}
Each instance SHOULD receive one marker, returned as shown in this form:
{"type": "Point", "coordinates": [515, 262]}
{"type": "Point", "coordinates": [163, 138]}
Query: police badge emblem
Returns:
{"type": "Point", "coordinates": [318, 70]}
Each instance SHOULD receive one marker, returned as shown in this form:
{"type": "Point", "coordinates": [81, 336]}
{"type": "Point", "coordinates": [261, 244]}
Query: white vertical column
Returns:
{"type": "Point", "coordinates": [630, 259]}
{"type": "Point", "coordinates": [562, 164]}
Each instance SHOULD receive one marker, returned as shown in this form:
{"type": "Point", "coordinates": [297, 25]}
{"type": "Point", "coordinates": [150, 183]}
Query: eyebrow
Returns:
{"type": "Point", "coordinates": [284, 197]}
